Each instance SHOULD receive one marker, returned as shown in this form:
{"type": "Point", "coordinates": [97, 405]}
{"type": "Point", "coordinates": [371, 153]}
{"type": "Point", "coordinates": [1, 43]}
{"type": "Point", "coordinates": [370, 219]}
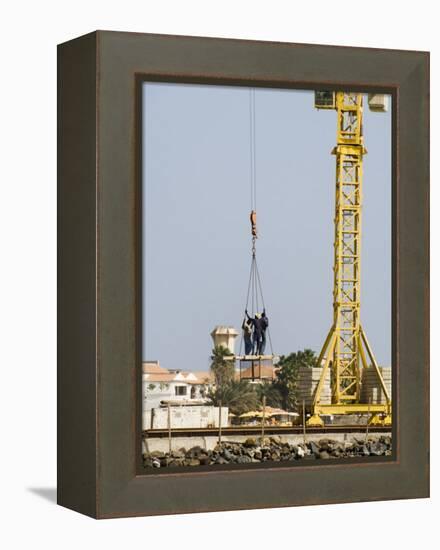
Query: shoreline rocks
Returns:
{"type": "Point", "coordinates": [270, 449]}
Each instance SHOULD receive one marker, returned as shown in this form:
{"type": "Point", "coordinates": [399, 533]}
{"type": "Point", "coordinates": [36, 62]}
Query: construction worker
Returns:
{"type": "Point", "coordinates": [258, 333]}
{"type": "Point", "coordinates": [264, 325]}
{"type": "Point", "coordinates": [247, 328]}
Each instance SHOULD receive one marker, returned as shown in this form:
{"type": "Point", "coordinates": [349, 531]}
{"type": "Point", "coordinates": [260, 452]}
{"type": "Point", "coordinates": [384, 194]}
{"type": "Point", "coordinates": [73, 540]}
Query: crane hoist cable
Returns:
{"type": "Point", "coordinates": [254, 297]}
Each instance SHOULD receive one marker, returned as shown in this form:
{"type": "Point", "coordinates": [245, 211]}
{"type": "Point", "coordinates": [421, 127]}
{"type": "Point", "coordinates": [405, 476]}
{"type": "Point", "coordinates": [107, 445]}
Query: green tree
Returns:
{"type": "Point", "coordinates": [222, 368]}
{"type": "Point", "coordinates": [287, 376]}
{"type": "Point", "coordinates": [272, 393]}
{"type": "Point", "coordinates": [238, 395]}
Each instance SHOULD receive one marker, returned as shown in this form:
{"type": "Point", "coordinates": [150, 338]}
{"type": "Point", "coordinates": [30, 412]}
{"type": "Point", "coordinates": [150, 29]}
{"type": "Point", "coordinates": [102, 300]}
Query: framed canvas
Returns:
{"type": "Point", "coordinates": [174, 396]}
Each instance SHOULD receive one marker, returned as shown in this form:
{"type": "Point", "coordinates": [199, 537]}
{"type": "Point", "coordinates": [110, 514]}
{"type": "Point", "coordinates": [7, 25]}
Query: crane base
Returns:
{"type": "Point", "coordinates": [315, 420]}
{"type": "Point", "coordinates": [378, 420]}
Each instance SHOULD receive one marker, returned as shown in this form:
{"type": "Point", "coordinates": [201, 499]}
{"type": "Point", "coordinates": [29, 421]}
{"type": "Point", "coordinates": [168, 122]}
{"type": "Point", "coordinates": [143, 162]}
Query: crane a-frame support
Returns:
{"type": "Point", "coordinates": [346, 347]}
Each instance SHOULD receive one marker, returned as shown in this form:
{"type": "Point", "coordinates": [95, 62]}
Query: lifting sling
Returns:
{"type": "Point", "coordinates": [254, 298]}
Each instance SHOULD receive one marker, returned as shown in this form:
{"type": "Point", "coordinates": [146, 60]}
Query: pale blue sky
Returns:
{"type": "Point", "coordinates": [196, 189]}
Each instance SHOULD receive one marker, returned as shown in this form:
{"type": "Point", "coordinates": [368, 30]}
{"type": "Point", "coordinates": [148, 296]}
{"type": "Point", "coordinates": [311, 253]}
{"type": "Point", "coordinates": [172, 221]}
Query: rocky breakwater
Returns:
{"type": "Point", "coordinates": [269, 450]}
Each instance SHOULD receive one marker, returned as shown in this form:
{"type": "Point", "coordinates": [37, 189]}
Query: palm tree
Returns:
{"type": "Point", "coordinates": [223, 369]}
{"type": "Point", "coordinates": [238, 395]}
{"type": "Point", "coordinates": [271, 392]}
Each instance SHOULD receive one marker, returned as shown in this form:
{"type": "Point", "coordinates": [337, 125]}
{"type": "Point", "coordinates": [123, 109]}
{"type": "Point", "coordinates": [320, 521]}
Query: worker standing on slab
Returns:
{"type": "Point", "coordinates": [247, 328]}
{"type": "Point", "coordinates": [258, 333]}
{"type": "Point", "coordinates": [264, 325]}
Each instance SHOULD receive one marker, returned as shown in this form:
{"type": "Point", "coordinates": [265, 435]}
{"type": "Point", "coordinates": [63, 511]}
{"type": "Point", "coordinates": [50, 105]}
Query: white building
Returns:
{"type": "Point", "coordinates": [163, 385]}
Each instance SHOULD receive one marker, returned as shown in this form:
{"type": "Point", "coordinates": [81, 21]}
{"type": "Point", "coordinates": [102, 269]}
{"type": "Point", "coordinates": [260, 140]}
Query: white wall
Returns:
{"type": "Point", "coordinates": [185, 417]}
{"type": "Point", "coordinates": [29, 33]}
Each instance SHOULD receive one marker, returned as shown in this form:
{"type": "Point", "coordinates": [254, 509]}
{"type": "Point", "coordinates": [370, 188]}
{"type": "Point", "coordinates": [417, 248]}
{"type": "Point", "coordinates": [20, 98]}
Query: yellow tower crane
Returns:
{"type": "Point", "coordinates": [346, 347]}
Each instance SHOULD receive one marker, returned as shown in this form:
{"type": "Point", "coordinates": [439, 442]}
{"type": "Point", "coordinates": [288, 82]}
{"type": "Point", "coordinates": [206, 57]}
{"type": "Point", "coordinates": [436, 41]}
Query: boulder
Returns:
{"type": "Point", "coordinates": [365, 450]}
{"type": "Point", "coordinates": [377, 449]}
{"type": "Point", "coordinates": [178, 454]}
{"type": "Point", "coordinates": [157, 454]}
{"type": "Point", "coordinates": [309, 456]}
{"type": "Point", "coordinates": [195, 451]}
{"type": "Point", "coordinates": [227, 455]}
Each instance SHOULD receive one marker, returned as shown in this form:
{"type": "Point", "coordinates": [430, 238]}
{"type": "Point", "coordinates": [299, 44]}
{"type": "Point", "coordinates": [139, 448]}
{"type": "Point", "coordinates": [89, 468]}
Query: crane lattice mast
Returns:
{"type": "Point", "coordinates": [346, 347]}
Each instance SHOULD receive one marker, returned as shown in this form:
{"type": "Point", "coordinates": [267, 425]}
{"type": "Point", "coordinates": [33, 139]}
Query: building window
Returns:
{"type": "Point", "coordinates": [180, 390]}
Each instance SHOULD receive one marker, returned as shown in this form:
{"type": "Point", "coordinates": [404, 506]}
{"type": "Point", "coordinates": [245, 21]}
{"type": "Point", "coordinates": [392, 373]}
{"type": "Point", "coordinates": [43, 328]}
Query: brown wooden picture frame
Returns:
{"type": "Point", "coordinates": [99, 408]}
